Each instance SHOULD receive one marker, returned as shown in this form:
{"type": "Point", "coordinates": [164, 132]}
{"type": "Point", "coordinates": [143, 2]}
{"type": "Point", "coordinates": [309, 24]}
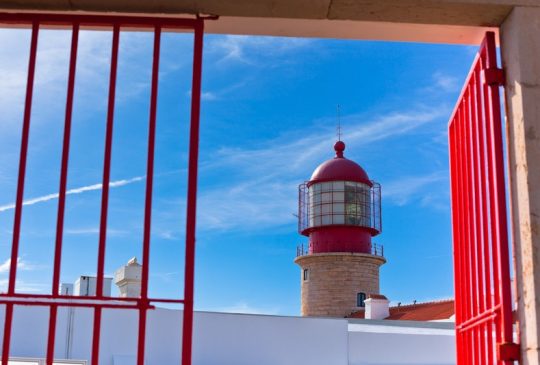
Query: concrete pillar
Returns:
{"type": "Point", "coordinates": [520, 47]}
{"type": "Point", "coordinates": [128, 279]}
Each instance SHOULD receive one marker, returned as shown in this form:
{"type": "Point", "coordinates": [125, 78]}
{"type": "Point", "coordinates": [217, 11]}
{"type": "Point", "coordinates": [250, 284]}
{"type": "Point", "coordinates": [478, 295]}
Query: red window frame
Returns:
{"type": "Point", "coordinates": [483, 304]}
{"type": "Point", "coordinates": [98, 302]}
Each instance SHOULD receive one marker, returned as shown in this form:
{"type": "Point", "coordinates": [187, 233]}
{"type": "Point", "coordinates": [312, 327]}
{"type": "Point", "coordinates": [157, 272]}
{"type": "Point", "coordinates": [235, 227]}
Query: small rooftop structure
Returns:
{"type": "Point", "coordinates": [85, 286]}
{"type": "Point", "coordinates": [128, 279]}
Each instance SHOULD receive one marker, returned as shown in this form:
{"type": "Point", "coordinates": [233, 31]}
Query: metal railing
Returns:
{"type": "Point", "coordinates": [376, 250]}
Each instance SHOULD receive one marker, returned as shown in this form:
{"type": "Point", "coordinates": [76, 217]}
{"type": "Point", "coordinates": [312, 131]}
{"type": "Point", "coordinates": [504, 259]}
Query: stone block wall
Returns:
{"type": "Point", "coordinates": [335, 279]}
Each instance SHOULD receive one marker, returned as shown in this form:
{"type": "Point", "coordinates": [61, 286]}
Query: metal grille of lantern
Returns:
{"type": "Point", "coordinates": [339, 203]}
{"type": "Point", "coordinates": [156, 25]}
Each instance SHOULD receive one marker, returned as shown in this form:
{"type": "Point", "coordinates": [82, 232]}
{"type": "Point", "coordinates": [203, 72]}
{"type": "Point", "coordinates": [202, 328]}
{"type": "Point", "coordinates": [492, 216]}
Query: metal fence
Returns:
{"type": "Point", "coordinates": [483, 303]}
{"type": "Point", "coordinates": [53, 300]}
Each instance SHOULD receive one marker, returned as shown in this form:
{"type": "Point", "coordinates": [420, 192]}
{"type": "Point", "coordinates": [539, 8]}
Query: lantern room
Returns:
{"type": "Point", "coordinates": [339, 207]}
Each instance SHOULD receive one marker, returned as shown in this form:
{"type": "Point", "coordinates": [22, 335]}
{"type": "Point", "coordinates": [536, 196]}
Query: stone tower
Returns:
{"type": "Point", "coordinates": [340, 211]}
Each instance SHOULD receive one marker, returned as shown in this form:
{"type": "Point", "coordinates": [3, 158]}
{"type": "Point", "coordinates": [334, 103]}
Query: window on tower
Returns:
{"type": "Point", "coordinates": [360, 299]}
{"type": "Point", "coordinates": [306, 274]}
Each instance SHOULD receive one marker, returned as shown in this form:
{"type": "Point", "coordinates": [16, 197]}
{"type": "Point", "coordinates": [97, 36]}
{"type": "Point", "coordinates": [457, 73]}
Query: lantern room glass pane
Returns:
{"type": "Point", "coordinates": [338, 196]}
{"type": "Point", "coordinates": [326, 197]}
{"type": "Point", "coordinates": [338, 219]}
{"type": "Point", "coordinates": [326, 209]}
{"type": "Point", "coordinates": [326, 186]}
{"type": "Point", "coordinates": [340, 202]}
{"type": "Point", "coordinates": [338, 208]}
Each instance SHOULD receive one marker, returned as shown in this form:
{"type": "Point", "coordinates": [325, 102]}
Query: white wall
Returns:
{"type": "Point", "coordinates": [240, 339]}
{"type": "Point", "coordinates": [236, 339]}
{"type": "Point", "coordinates": [401, 342]}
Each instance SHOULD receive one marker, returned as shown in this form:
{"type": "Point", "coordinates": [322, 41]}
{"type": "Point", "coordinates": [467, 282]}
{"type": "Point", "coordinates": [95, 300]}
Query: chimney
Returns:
{"type": "Point", "coordinates": [377, 307]}
{"type": "Point", "coordinates": [128, 279]}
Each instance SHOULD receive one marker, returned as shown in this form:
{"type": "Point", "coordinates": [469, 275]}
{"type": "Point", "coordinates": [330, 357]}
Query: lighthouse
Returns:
{"type": "Point", "coordinates": [339, 211]}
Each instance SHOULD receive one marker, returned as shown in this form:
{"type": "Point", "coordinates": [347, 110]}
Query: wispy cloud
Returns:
{"type": "Point", "coordinates": [92, 72]}
{"type": "Point", "coordinates": [250, 49]}
{"type": "Point", "coordinates": [205, 95]}
{"type": "Point", "coordinates": [261, 182]}
{"type": "Point", "coordinates": [94, 231]}
{"type": "Point", "coordinates": [303, 151]}
{"type": "Point", "coordinates": [23, 286]}
{"type": "Point", "coordinates": [83, 189]}
{"type": "Point", "coordinates": [167, 277]}
{"type": "Point", "coordinates": [401, 191]}
{"type": "Point", "coordinates": [446, 83]}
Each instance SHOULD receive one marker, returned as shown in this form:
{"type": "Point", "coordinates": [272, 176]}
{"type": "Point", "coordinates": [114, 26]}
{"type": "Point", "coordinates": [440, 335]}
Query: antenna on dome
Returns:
{"type": "Point", "coordinates": [339, 122]}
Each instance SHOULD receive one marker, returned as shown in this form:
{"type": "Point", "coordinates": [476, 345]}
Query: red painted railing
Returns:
{"type": "Point", "coordinates": [484, 326]}
{"type": "Point", "coordinates": [11, 298]}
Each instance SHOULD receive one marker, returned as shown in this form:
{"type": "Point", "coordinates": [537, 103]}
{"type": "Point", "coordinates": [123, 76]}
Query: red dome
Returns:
{"type": "Point", "coordinates": [340, 169]}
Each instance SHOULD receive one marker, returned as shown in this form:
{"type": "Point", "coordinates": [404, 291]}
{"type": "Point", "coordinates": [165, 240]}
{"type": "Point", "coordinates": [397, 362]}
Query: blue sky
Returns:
{"type": "Point", "coordinates": [268, 119]}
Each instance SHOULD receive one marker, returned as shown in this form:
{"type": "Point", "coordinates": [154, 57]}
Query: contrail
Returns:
{"type": "Point", "coordinates": [44, 198]}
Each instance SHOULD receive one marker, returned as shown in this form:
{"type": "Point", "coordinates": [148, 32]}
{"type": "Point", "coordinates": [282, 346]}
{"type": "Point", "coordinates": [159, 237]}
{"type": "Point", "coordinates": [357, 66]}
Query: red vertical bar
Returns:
{"type": "Point", "coordinates": [96, 332]}
{"type": "Point", "coordinates": [463, 238]}
{"type": "Point", "coordinates": [460, 304]}
{"type": "Point", "coordinates": [187, 326]}
{"type": "Point", "coordinates": [493, 209]}
{"type": "Point", "coordinates": [20, 189]}
{"type": "Point", "coordinates": [471, 222]}
{"type": "Point", "coordinates": [107, 163]}
{"type": "Point", "coordinates": [499, 187]}
{"type": "Point", "coordinates": [496, 299]}
{"type": "Point", "coordinates": [459, 237]}
{"type": "Point", "coordinates": [481, 122]}
{"type": "Point", "coordinates": [62, 192]}
{"type": "Point", "coordinates": [148, 200]}
{"type": "Point", "coordinates": [455, 228]}
{"type": "Point", "coordinates": [105, 192]}
{"type": "Point", "coordinates": [479, 217]}
{"type": "Point", "coordinates": [456, 211]}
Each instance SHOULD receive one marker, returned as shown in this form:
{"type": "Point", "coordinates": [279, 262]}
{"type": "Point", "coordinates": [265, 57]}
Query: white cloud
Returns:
{"type": "Point", "coordinates": [45, 198]}
{"type": "Point", "coordinates": [21, 265]}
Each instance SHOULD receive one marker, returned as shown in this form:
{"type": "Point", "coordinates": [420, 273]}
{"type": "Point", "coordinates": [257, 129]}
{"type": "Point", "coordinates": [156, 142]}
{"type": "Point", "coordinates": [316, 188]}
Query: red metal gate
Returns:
{"type": "Point", "coordinates": [483, 305]}
{"type": "Point", "coordinates": [11, 298]}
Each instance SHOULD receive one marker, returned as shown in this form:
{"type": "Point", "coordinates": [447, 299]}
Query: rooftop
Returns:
{"type": "Point", "coordinates": [428, 311]}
